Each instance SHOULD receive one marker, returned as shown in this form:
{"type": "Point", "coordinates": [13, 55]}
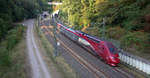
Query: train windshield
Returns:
{"type": "Point", "coordinates": [112, 48]}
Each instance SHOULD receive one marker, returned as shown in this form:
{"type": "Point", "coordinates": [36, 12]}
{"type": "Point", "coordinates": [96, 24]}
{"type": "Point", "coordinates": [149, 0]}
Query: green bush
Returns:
{"type": "Point", "coordinates": [137, 40]}
{"type": "Point", "coordinates": [115, 32]}
{"type": "Point", "coordinates": [5, 60]}
{"type": "Point", "coordinates": [12, 38]}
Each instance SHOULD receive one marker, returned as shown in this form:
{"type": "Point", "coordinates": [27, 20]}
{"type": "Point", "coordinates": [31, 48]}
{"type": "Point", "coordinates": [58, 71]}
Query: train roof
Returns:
{"type": "Point", "coordinates": [71, 30]}
{"type": "Point", "coordinates": [89, 36]}
{"type": "Point", "coordinates": [94, 38]}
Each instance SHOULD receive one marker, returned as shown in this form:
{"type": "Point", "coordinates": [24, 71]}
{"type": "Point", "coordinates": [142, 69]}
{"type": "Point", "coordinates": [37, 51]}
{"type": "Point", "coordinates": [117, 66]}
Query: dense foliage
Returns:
{"type": "Point", "coordinates": [129, 14]}
{"type": "Point", "coordinates": [17, 10]}
{"type": "Point", "coordinates": [7, 45]}
{"type": "Point", "coordinates": [11, 64]}
{"type": "Point", "coordinates": [127, 21]}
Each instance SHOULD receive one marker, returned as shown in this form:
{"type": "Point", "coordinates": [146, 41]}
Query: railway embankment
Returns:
{"type": "Point", "coordinates": [57, 65]}
{"type": "Point", "coordinates": [13, 62]}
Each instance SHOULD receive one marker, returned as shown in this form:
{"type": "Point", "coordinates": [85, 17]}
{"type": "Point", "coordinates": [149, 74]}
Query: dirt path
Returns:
{"type": "Point", "coordinates": [38, 66]}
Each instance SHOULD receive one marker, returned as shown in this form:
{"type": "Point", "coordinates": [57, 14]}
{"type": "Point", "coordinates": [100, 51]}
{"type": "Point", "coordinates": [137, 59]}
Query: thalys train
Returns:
{"type": "Point", "coordinates": [106, 50]}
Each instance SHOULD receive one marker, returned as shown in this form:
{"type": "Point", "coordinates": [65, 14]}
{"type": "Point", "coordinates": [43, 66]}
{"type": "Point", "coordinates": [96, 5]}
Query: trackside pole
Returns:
{"type": "Point", "coordinates": [55, 40]}
{"type": "Point", "coordinates": [104, 23]}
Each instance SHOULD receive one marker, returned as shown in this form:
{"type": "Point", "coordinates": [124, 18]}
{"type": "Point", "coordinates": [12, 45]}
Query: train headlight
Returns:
{"type": "Point", "coordinates": [113, 58]}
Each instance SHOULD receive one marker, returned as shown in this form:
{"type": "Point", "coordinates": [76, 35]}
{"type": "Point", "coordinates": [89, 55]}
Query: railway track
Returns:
{"type": "Point", "coordinates": [89, 66]}
{"type": "Point", "coordinates": [118, 69]}
{"type": "Point", "coordinates": [96, 56]}
{"type": "Point", "coordinates": [83, 62]}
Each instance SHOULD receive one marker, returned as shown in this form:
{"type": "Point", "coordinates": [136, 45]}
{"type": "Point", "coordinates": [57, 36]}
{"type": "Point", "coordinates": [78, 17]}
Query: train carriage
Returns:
{"type": "Point", "coordinates": [68, 32]}
{"type": "Point", "coordinates": [104, 49]}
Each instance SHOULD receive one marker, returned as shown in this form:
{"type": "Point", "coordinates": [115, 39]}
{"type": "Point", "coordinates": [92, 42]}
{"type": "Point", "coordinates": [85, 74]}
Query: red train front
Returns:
{"type": "Point", "coordinates": [106, 50]}
{"type": "Point", "coordinates": [110, 53]}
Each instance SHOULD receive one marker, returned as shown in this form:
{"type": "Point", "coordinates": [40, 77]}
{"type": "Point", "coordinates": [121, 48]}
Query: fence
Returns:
{"type": "Point", "coordinates": [135, 61]}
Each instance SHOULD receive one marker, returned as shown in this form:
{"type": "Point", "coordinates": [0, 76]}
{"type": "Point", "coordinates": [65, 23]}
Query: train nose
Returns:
{"type": "Point", "coordinates": [115, 59]}
{"type": "Point", "coordinates": [113, 64]}
{"type": "Point", "coordinates": [116, 55]}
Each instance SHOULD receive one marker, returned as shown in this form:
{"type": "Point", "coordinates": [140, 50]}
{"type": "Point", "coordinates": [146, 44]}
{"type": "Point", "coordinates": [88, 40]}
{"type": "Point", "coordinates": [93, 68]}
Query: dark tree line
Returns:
{"type": "Point", "coordinates": [16, 10]}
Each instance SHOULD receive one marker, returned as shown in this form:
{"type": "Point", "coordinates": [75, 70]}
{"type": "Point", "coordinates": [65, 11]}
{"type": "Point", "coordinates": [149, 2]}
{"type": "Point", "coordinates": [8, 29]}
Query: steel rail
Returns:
{"type": "Point", "coordinates": [83, 62]}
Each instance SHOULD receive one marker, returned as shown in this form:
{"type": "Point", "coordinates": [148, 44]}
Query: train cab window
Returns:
{"type": "Point", "coordinates": [112, 48]}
